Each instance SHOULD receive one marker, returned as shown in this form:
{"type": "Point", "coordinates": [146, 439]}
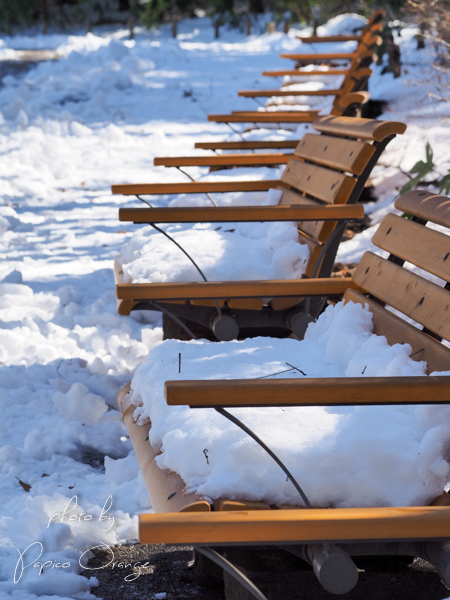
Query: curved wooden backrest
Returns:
{"type": "Point", "coordinates": [363, 129]}
{"type": "Point", "coordinates": [332, 168]}
{"type": "Point", "coordinates": [419, 296]}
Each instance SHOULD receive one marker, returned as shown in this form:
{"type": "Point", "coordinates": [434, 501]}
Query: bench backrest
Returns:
{"type": "Point", "coordinates": [417, 297]}
{"type": "Point", "coordinates": [332, 169]}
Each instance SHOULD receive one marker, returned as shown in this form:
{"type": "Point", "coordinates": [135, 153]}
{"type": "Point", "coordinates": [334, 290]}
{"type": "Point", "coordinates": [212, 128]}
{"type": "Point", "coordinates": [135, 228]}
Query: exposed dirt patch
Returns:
{"type": "Point", "coordinates": [155, 570]}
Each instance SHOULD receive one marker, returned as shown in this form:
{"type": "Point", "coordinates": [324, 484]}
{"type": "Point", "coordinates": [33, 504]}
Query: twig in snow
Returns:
{"type": "Point", "coordinates": [273, 374]}
{"type": "Point", "coordinates": [417, 352]}
{"type": "Point", "coordinates": [297, 369]}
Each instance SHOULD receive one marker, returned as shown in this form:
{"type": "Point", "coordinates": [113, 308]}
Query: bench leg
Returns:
{"type": "Point", "coordinates": [232, 570]}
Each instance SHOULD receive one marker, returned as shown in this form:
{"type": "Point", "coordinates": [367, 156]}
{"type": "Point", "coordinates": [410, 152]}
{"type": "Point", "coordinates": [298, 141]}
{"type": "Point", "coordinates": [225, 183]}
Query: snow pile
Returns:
{"type": "Point", "coordinates": [343, 25]}
{"type": "Point", "coordinates": [342, 456]}
{"type": "Point", "coordinates": [223, 251]}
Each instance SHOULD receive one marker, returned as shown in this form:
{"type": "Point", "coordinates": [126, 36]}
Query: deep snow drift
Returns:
{"type": "Point", "coordinates": [342, 456]}
{"type": "Point", "coordinates": [68, 130]}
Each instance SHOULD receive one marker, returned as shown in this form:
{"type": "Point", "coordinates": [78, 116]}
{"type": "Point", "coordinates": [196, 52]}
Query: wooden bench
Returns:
{"type": "Point", "coordinates": [345, 106]}
{"type": "Point", "coordinates": [327, 538]}
{"type": "Point", "coordinates": [320, 39]}
{"type": "Point", "coordinates": [350, 103]}
{"type": "Point", "coordinates": [373, 24]}
{"type": "Point", "coordinates": [369, 41]}
{"type": "Point", "coordinates": [356, 77]}
{"type": "Point", "coordinates": [362, 60]}
{"type": "Point", "coordinates": [355, 81]}
{"type": "Point", "coordinates": [326, 172]}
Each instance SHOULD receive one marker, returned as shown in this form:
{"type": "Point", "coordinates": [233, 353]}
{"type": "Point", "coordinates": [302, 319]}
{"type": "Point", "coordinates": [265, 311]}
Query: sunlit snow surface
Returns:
{"type": "Point", "coordinates": [344, 456]}
{"type": "Point", "coordinates": [68, 130]}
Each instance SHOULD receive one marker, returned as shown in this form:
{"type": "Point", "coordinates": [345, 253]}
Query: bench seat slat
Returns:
{"type": "Point", "coordinates": [312, 525]}
{"type": "Point", "coordinates": [196, 214]}
{"type": "Point", "coordinates": [232, 289]}
{"type": "Point", "coordinates": [325, 184]}
{"type": "Point", "coordinates": [419, 245]}
{"type": "Point", "coordinates": [165, 487]}
{"type": "Point", "coordinates": [366, 129]}
{"type": "Point", "coordinates": [425, 205]}
{"type": "Point", "coordinates": [342, 154]}
{"type": "Point", "coordinates": [323, 391]}
{"type": "Point", "coordinates": [318, 230]}
{"type": "Point", "coordinates": [414, 296]}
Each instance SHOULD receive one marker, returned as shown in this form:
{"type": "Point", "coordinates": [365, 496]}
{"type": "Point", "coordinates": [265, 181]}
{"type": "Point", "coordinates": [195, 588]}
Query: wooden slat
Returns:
{"type": "Point", "coordinates": [124, 307]}
{"type": "Point", "coordinates": [313, 525]}
{"type": "Point", "coordinates": [352, 98]}
{"type": "Point", "coordinates": [425, 205]}
{"type": "Point", "coordinates": [269, 93]}
{"type": "Point", "coordinates": [423, 301]}
{"type": "Point", "coordinates": [246, 145]}
{"type": "Point", "coordinates": [319, 230]}
{"type": "Point", "coordinates": [321, 183]}
{"type": "Point", "coordinates": [221, 214]}
{"type": "Point", "coordinates": [315, 39]}
{"type": "Point", "coordinates": [337, 153]}
{"type": "Point", "coordinates": [298, 73]}
{"type": "Point", "coordinates": [224, 160]}
{"type": "Point", "coordinates": [323, 391]}
{"type": "Point", "coordinates": [366, 129]}
{"type": "Point", "coordinates": [165, 487]}
{"type": "Point", "coordinates": [275, 113]}
{"type": "Point", "coordinates": [263, 117]}
{"type": "Point", "coordinates": [320, 56]}
{"type": "Point", "coordinates": [233, 289]}
{"type": "Point", "coordinates": [226, 504]}
{"type": "Point", "coordinates": [398, 331]}
{"type": "Point", "coordinates": [194, 187]}
{"type": "Point", "coordinates": [419, 245]}
{"type": "Point", "coordinates": [250, 304]}
{"type": "Point", "coordinates": [360, 74]}
{"type": "Point", "coordinates": [315, 250]}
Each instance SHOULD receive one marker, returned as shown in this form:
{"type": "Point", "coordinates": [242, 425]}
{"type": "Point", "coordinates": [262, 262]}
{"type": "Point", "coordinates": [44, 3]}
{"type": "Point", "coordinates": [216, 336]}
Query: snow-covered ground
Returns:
{"type": "Point", "coordinates": [68, 130]}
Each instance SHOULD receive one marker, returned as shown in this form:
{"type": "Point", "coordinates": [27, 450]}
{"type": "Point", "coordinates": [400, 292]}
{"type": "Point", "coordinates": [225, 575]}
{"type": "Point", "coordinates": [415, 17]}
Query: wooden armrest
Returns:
{"type": "Point", "coordinates": [265, 117]}
{"type": "Point", "coordinates": [269, 93]}
{"type": "Point", "coordinates": [296, 526]}
{"type": "Point", "coordinates": [297, 73]}
{"type": "Point", "coordinates": [224, 160]}
{"type": "Point", "coordinates": [194, 187]}
{"type": "Point", "coordinates": [221, 214]}
{"type": "Point", "coordinates": [317, 39]}
{"type": "Point", "coordinates": [315, 57]}
{"type": "Point", "coordinates": [324, 391]}
{"type": "Point", "coordinates": [201, 290]}
{"type": "Point", "coordinates": [276, 113]}
{"type": "Point", "coordinates": [252, 145]}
